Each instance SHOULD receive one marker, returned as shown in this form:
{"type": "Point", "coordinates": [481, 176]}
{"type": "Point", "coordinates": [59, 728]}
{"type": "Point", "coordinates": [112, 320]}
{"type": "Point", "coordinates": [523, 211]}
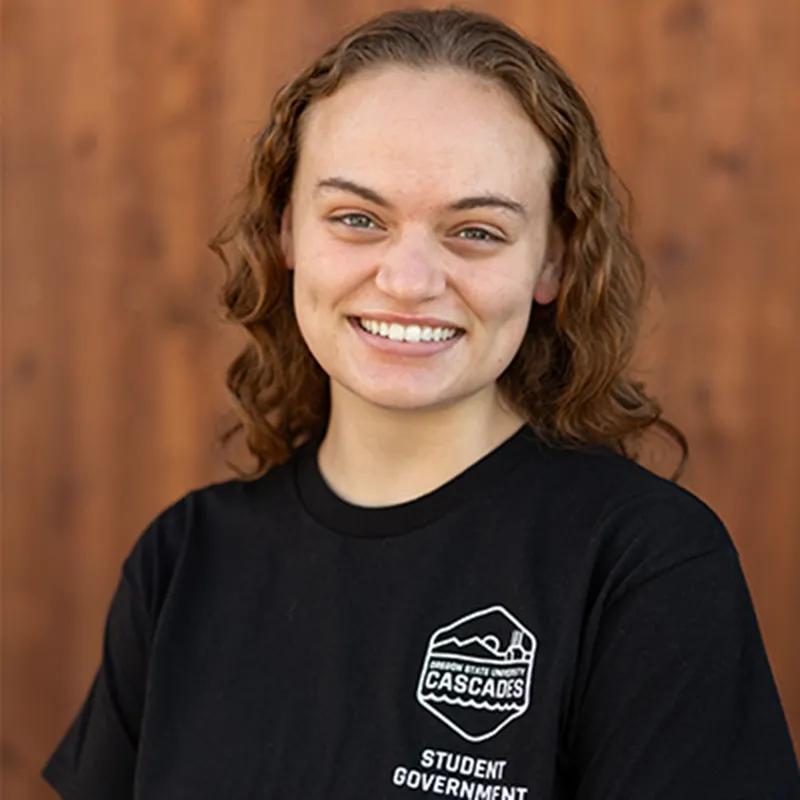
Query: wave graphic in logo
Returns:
{"type": "Point", "coordinates": [477, 673]}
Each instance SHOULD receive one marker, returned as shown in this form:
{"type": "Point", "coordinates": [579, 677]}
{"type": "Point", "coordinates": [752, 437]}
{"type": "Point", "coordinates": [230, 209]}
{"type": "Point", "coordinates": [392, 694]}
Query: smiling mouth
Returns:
{"type": "Point", "coordinates": [406, 333]}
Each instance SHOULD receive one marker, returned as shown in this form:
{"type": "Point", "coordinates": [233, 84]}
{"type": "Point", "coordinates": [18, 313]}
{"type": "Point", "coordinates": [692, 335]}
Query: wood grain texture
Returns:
{"type": "Point", "coordinates": [125, 131]}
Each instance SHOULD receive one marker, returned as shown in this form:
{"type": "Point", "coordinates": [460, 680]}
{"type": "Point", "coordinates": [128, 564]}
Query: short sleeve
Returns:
{"type": "Point", "coordinates": [96, 758]}
{"type": "Point", "coordinates": [681, 702]}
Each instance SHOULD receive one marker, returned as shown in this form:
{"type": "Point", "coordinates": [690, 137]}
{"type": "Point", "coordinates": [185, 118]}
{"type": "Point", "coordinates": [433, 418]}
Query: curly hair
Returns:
{"type": "Point", "coordinates": [571, 377]}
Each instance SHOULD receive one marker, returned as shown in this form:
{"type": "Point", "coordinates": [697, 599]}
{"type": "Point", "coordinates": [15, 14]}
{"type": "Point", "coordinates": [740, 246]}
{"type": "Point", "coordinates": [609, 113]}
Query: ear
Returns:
{"type": "Point", "coordinates": [287, 236]}
{"type": "Point", "coordinates": [549, 280]}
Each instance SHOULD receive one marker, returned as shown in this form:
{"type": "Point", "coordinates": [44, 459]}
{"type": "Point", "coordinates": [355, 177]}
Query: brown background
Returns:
{"type": "Point", "coordinates": [126, 128]}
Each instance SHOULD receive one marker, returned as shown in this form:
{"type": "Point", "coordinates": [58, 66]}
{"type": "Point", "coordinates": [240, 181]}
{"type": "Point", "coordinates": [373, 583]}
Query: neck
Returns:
{"type": "Point", "coordinates": [374, 456]}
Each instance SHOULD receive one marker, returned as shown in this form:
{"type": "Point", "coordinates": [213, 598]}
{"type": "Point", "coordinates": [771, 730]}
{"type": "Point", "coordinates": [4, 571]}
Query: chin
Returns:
{"type": "Point", "coordinates": [400, 401]}
{"type": "Point", "coordinates": [400, 398]}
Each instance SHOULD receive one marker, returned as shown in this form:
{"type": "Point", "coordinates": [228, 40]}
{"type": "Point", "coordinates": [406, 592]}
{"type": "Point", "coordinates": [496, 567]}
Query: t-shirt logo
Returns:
{"type": "Point", "coordinates": [476, 677]}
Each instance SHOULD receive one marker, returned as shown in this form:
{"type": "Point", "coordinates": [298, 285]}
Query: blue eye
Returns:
{"type": "Point", "coordinates": [354, 220]}
{"type": "Point", "coordinates": [482, 235]}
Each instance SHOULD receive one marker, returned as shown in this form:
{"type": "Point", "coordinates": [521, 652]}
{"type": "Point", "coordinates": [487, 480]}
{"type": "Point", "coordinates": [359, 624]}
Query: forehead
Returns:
{"type": "Point", "coordinates": [431, 132]}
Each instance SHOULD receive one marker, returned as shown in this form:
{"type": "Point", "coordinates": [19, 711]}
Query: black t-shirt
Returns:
{"type": "Point", "coordinates": [547, 625]}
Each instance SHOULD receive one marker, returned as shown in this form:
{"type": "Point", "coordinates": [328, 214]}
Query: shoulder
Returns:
{"type": "Point", "coordinates": [616, 514]}
{"type": "Point", "coordinates": [208, 518]}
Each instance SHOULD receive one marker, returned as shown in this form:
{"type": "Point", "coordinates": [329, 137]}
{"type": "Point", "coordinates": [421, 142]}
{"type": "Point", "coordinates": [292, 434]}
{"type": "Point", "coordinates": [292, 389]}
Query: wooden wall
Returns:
{"type": "Point", "coordinates": [125, 129]}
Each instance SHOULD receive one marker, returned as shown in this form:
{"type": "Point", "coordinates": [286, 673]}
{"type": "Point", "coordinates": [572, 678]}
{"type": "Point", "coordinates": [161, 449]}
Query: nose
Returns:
{"type": "Point", "coordinates": [412, 270]}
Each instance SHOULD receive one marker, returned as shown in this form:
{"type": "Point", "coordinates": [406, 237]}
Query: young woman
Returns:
{"type": "Point", "coordinates": [445, 574]}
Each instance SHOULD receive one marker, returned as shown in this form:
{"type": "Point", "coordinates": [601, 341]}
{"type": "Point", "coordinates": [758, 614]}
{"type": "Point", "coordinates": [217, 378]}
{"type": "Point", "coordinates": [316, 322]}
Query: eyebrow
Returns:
{"type": "Point", "coordinates": [488, 200]}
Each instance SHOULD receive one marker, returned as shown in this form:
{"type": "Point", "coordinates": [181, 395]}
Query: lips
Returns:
{"type": "Point", "coordinates": [423, 322]}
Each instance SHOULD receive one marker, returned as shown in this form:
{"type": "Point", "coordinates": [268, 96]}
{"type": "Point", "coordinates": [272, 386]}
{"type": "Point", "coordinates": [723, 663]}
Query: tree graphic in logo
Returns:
{"type": "Point", "coordinates": [477, 673]}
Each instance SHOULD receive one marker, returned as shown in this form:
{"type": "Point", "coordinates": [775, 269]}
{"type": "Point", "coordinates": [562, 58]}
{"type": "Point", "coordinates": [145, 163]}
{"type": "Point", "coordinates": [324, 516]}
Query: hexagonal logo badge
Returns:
{"type": "Point", "coordinates": [476, 677]}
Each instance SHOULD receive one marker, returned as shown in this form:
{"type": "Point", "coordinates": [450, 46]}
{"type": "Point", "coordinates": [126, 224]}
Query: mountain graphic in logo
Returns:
{"type": "Point", "coordinates": [477, 673]}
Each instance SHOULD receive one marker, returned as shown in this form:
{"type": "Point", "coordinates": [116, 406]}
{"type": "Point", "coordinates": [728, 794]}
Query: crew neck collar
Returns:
{"type": "Point", "coordinates": [348, 519]}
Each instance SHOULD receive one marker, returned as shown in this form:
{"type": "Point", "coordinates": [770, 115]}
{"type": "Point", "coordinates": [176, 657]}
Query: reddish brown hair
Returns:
{"type": "Point", "coordinates": [570, 378]}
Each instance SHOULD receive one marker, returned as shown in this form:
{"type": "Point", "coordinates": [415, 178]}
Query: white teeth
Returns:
{"type": "Point", "coordinates": [412, 333]}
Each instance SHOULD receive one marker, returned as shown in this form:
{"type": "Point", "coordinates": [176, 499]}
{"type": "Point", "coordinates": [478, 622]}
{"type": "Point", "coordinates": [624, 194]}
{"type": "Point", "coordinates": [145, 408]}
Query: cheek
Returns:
{"type": "Point", "coordinates": [313, 283]}
{"type": "Point", "coordinates": [503, 303]}
{"type": "Point", "coordinates": [503, 299]}
{"type": "Point", "coordinates": [306, 289]}
{"type": "Point", "coordinates": [325, 273]}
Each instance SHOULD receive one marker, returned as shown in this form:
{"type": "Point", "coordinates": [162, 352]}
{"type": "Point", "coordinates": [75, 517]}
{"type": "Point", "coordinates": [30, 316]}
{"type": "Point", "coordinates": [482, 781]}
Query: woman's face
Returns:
{"type": "Point", "coordinates": [420, 207]}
